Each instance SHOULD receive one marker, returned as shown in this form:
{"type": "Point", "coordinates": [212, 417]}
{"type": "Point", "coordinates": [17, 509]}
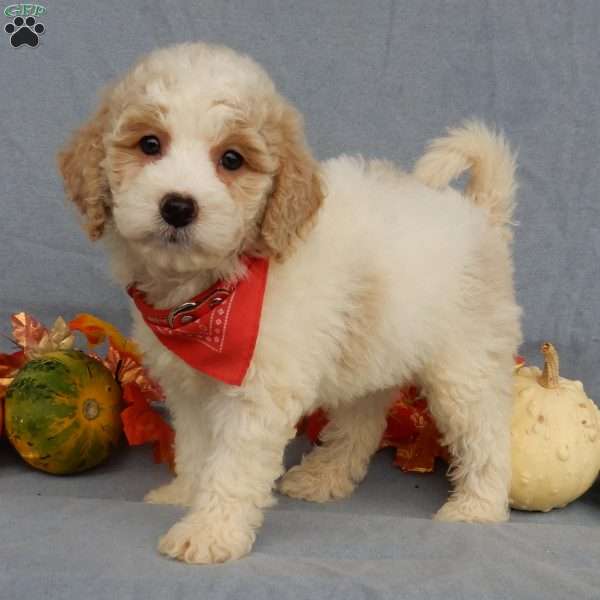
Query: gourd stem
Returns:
{"type": "Point", "coordinates": [549, 378]}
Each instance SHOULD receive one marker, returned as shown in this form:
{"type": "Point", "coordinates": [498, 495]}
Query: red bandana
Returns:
{"type": "Point", "coordinates": [215, 332]}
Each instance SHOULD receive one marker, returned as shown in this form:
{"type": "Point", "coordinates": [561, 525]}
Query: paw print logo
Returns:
{"type": "Point", "coordinates": [24, 31]}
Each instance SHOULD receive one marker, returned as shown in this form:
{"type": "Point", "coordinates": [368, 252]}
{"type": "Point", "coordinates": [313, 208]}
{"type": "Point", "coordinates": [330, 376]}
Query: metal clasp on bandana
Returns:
{"type": "Point", "coordinates": [216, 298]}
{"type": "Point", "coordinates": [182, 308]}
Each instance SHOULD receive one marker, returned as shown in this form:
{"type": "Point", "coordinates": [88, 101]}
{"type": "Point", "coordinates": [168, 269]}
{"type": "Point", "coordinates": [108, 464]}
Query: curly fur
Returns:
{"type": "Point", "coordinates": [81, 167]}
{"type": "Point", "coordinates": [490, 160]}
{"type": "Point", "coordinates": [377, 279]}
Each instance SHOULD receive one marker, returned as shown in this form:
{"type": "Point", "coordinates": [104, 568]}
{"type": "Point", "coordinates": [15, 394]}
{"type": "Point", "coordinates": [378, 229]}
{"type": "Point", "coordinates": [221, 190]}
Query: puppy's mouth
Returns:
{"type": "Point", "coordinates": [169, 236]}
{"type": "Point", "coordinates": [174, 237]}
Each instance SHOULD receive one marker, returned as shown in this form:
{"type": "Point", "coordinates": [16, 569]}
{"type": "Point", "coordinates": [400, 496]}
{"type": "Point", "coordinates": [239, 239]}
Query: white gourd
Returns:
{"type": "Point", "coordinates": [555, 438]}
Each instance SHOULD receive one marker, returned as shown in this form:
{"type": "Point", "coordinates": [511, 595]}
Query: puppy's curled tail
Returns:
{"type": "Point", "coordinates": [488, 156]}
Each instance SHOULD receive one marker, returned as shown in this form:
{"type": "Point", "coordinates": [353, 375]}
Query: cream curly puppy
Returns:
{"type": "Point", "coordinates": [195, 169]}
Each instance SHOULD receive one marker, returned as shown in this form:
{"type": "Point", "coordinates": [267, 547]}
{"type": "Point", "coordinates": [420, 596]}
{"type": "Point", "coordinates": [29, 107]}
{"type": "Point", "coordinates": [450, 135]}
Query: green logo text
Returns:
{"type": "Point", "coordinates": [25, 10]}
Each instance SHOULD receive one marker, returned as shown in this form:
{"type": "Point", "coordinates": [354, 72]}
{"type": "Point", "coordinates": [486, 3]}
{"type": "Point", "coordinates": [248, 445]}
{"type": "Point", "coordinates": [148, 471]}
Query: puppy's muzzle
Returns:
{"type": "Point", "coordinates": [178, 210]}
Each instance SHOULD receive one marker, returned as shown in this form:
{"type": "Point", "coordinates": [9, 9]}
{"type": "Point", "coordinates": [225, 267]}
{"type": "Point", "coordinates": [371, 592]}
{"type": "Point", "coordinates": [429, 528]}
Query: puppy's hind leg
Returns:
{"type": "Point", "coordinates": [470, 399]}
{"type": "Point", "coordinates": [332, 470]}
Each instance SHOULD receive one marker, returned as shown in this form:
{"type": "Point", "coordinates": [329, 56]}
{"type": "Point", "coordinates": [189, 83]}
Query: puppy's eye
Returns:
{"type": "Point", "coordinates": [231, 160]}
{"type": "Point", "coordinates": [150, 145]}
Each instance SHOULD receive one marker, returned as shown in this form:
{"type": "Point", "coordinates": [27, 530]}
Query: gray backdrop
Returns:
{"type": "Point", "coordinates": [372, 76]}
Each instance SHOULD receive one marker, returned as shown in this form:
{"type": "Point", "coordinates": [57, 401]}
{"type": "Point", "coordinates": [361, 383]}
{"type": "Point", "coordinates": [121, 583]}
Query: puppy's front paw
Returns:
{"type": "Point", "coordinates": [178, 492]}
{"type": "Point", "coordinates": [471, 509]}
{"type": "Point", "coordinates": [316, 484]}
{"type": "Point", "coordinates": [198, 542]}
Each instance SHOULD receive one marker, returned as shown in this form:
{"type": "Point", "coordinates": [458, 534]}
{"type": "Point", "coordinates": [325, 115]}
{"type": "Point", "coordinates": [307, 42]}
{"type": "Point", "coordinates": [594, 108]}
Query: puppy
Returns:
{"type": "Point", "coordinates": [266, 284]}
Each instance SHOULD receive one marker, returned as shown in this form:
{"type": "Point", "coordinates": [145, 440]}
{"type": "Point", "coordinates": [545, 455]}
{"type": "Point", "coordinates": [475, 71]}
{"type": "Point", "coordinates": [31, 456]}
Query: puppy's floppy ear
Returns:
{"type": "Point", "coordinates": [80, 164]}
{"type": "Point", "coordinates": [297, 192]}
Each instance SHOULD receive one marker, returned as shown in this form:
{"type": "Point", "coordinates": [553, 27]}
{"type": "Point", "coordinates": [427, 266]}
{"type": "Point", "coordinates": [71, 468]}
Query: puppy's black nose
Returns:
{"type": "Point", "coordinates": [178, 210]}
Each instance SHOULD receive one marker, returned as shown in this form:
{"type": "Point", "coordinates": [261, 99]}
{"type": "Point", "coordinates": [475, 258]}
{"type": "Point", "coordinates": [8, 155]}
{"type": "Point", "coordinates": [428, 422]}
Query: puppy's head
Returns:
{"type": "Point", "coordinates": [193, 158]}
